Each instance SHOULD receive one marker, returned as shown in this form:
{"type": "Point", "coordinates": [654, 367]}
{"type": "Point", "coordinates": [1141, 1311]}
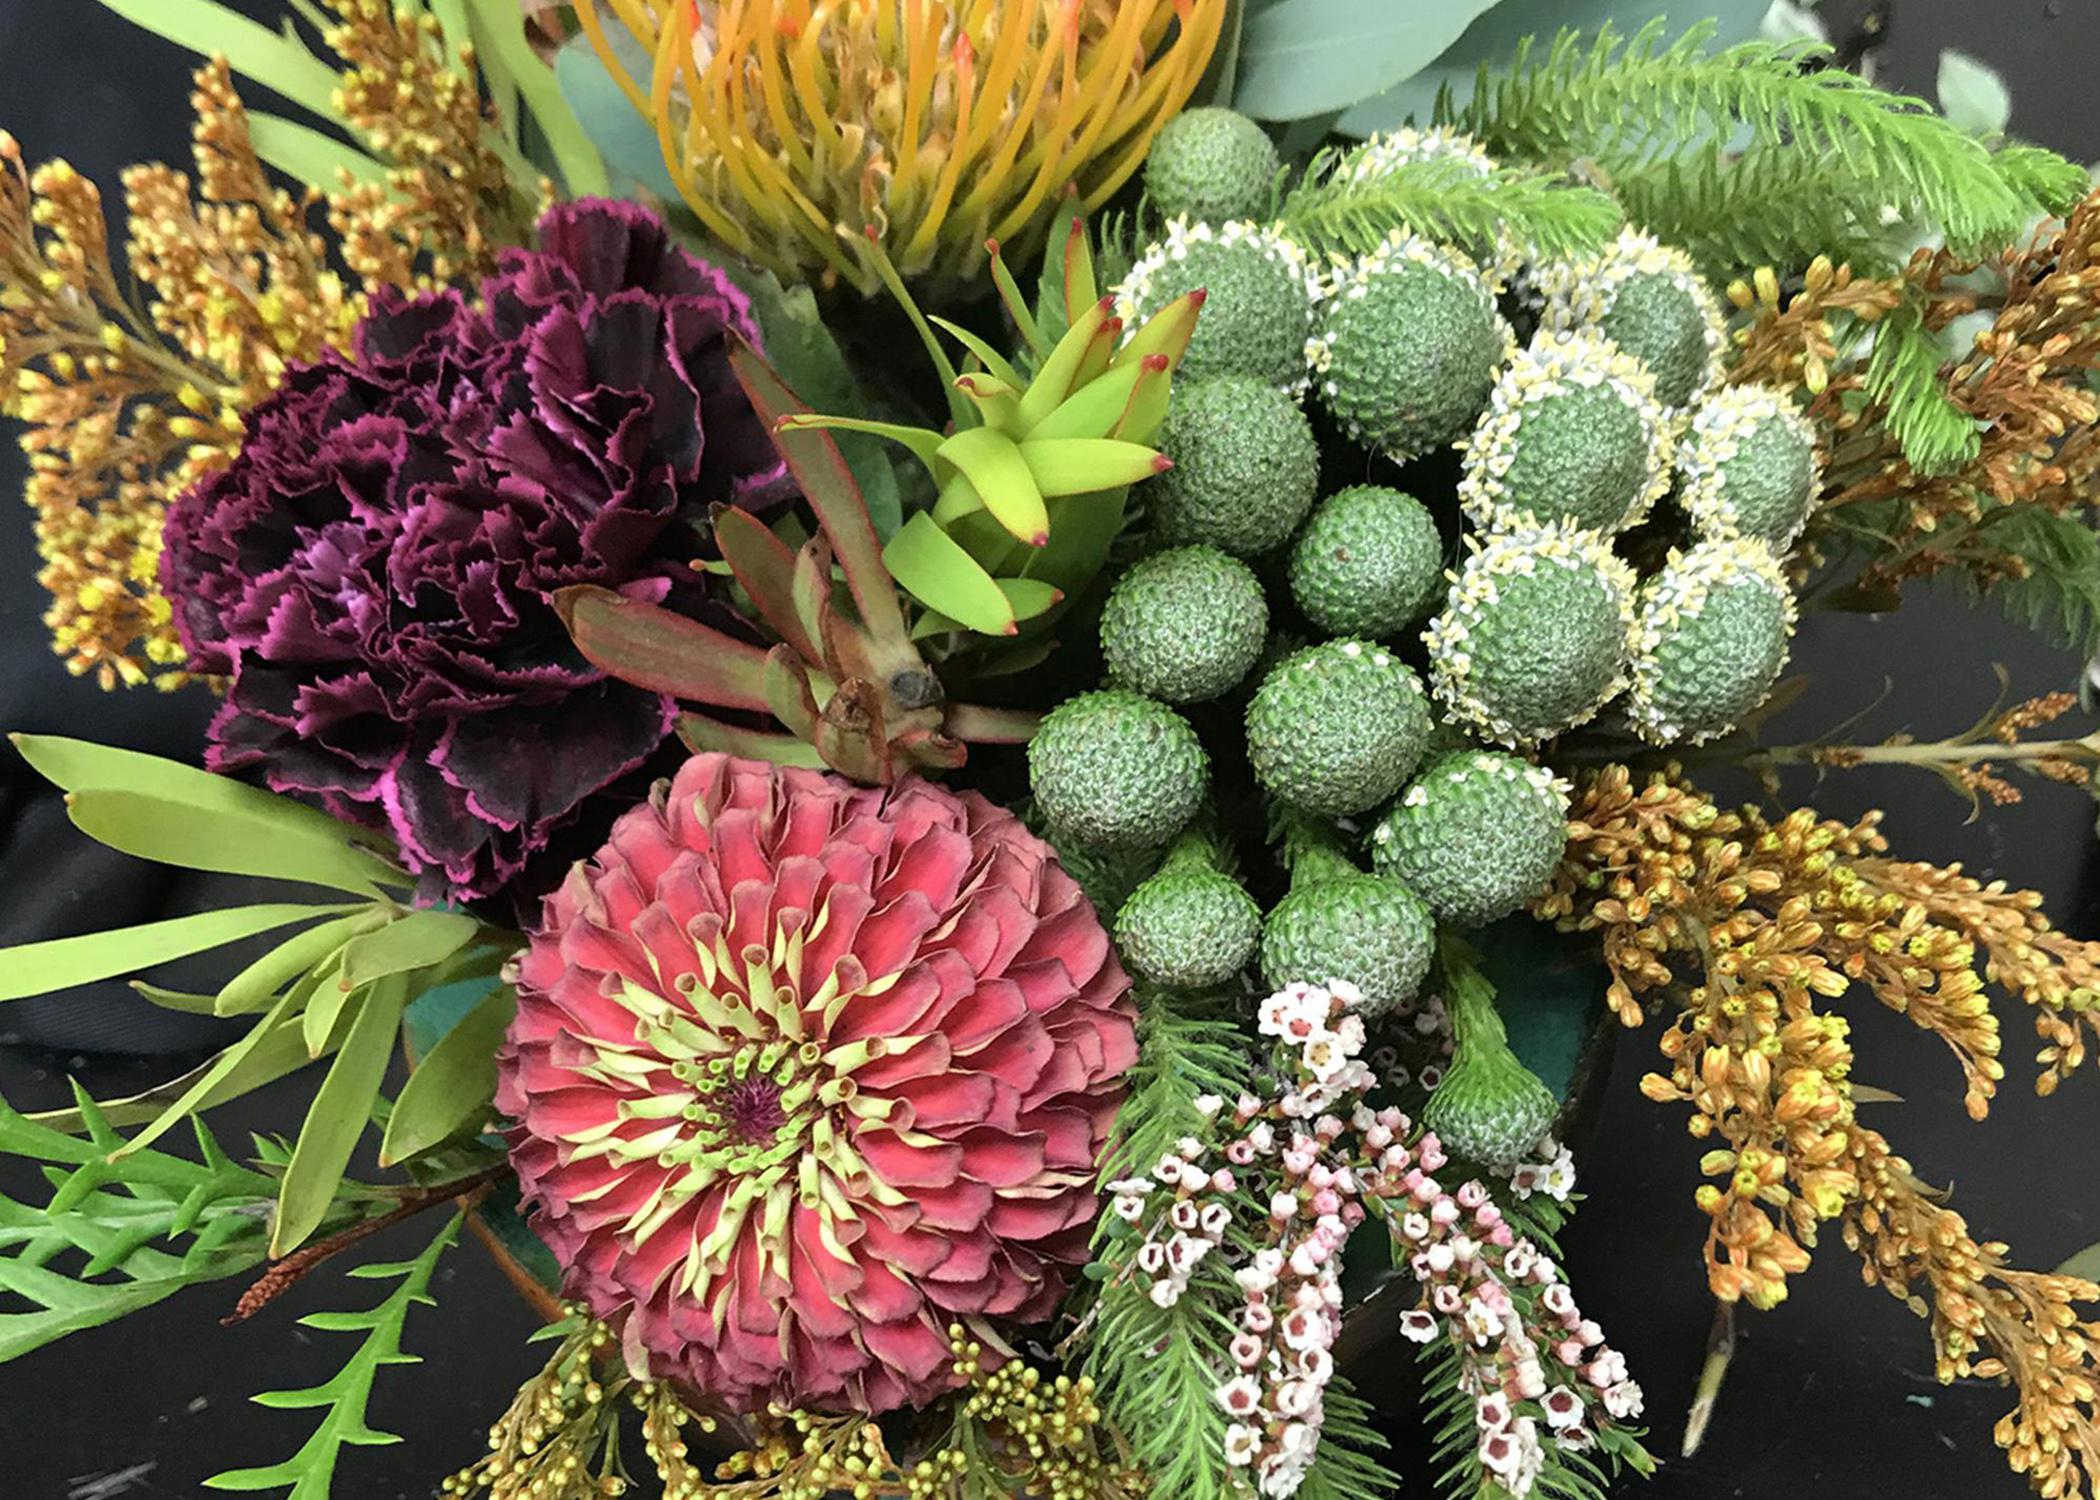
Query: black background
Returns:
{"type": "Point", "coordinates": [1831, 1395]}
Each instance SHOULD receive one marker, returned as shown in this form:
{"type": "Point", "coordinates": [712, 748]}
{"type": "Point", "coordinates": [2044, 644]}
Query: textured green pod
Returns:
{"type": "Point", "coordinates": [1647, 298]}
{"type": "Point", "coordinates": [1190, 926]}
{"type": "Point", "coordinates": [1476, 835]}
{"type": "Point", "coordinates": [1211, 164]}
{"type": "Point", "coordinates": [1408, 346]}
{"type": "Point", "coordinates": [1336, 728]}
{"type": "Point", "coordinates": [1246, 467]}
{"type": "Point", "coordinates": [1337, 922]}
{"type": "Point", "coordinates": [1489, 1108]}
{"type": "Point", "coordinates": [1747, 466]}
{"type": "Point", "coordinates": [1710, 638]}
{"type": "Point", "coordinates": [1532, 640]}
{"type": "Point", "coordinates": [1368, 563]}
{"type": "Point", "coordinates": [1259, 295]}
{"type": "Point", "coordinates": [1573, 433]}
{"type": "Point", "coordinates": [1114, 770]}
{"type": "Point", "coordinates": [1184, 625]}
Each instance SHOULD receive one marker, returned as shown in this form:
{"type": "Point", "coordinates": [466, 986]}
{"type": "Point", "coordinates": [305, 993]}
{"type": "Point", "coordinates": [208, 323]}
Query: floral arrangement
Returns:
{"type": "Point", "coordinates": [978, 720]}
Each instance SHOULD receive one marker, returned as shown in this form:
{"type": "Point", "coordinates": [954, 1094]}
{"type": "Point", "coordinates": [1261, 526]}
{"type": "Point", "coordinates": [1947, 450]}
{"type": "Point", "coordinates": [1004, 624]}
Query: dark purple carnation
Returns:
{"type": "Point", "coordinates": [373, 572]}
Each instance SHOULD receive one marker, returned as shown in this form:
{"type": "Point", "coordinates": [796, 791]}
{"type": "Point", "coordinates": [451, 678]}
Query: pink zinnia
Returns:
{"type": "Point", "coordinates": [803, 1073]}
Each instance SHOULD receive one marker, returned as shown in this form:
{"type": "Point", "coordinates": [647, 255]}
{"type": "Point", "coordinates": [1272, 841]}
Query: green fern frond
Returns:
{"type": "Point", "coordinates": [133, 1231]}
{"type": "Point", "coordinates": [2054, 182]}
{"type": "Point", "coordinates": [2054, 566]}
{"type": "Point", "coordinates": [1629, 104]}
{"type": "Point", "coordinates": [309, 1473]}
{"type": "Point", "coordinates": [1446, 199]}
{"type": "Point", "coordinates": [1187, 1046]}
{"type": "Point", "coordinates": [1903, 374]}
{"type": "Point", "coordinates": [1764, 207]}
{"type": "Point", "coordinates": [1346, 1465]}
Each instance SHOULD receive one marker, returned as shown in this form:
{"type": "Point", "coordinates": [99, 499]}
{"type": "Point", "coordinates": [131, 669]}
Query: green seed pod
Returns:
{"type": "Point", "coordinates": [1368, 563]}
{"type": "Point", "coordinates": [1476, 835]}
{"type": "Point", "coordinates": [1489, 1108]}
{"type": "Point", "coordinates": [1748, 466]}
{"type": "Point", "coordinates": [1647, 298]}
{"type": "Point", "coordinates": [1246, 467]}
{"type": "Point", "coordinates": [1190, 926]}
{"type": "Point", "coordinates": [1184, 625]}
{"type": "Point", "coordinates": [1710, 638]}
{"type": "Point", "coordinates": [1114, 770]}
{"type": "Point", "coordinates": [1336, 728]}
{"type": "Point", "coordinates": [1259, 291]}
{"type": "Point", "coordinates": [1337, 922]}
{"type": "Point", "coordinates": [1211, 164]}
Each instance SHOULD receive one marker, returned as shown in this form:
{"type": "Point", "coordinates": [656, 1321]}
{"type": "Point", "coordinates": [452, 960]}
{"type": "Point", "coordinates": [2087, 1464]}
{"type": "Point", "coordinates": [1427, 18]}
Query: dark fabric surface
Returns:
{"type": "Point", "coordinates": [1831, 1395]}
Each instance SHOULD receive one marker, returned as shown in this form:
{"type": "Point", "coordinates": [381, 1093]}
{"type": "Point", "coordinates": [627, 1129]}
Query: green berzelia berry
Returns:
{"type": "Point", "coordinates": [1476, 835]}
{"type": "Point", "coordinates": [1259, 292]}
{"type": "Point", "coordinates": [1572, 432]}
{"type": "Point", "coordinates": [1184, 625]}
{"type": "Point", "coordinates": [1647, 298]}
{"type": "Point", "coordinates": [1190, 926]}
{"type": "Point", "coordinates": [1408, 346]}
{"type": "Point", "coordinates": [1115, 770]}
{"type": "Point", "coordinates": [1710, 638]}
{"type": "Point", "coordinates": [1489, 1108]}
{"type": "Point", "coordinates": [1211, 164]}
{"type": "Point", "coordinates": [1747, 466]}
{"type": "Point", "coordinates": [1368, 562]}
{"type": "Point", "coordinates": [1335, 729]}
{"type": "Point", "coordinates": [1337, 922]}
{"type": "Point", "coordinates": [1246, 467]}
{"type": "Point", "coordinates": [1532, 639]}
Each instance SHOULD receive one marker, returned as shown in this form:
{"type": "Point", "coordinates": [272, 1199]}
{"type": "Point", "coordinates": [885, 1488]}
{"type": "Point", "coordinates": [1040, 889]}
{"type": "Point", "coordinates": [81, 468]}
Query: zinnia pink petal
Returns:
{"type": "Point", "coordinates": [803, 1072]}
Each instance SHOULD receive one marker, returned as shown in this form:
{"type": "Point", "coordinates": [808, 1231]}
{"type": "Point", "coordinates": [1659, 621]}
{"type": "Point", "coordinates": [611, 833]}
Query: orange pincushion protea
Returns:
{"type": "Point", "coordinates": [794, 128]}
{"type": "Point", "coordinates": [804, 1072]}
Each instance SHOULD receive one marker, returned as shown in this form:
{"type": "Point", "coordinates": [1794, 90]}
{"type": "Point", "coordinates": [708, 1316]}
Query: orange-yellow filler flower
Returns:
{"type": "Point", "coordinates": [797, 128]}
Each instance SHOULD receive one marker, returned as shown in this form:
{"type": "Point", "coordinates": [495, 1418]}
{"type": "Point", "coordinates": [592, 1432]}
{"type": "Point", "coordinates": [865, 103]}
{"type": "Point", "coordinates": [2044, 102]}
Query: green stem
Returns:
{"type": "Point", "coordinates": [1932, 753]}
{"type": "Point", "coordinates": [1469, 999]}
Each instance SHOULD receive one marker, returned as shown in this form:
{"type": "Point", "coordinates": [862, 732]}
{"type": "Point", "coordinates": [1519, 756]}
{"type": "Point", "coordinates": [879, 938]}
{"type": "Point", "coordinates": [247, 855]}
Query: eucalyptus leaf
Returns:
{"type": "Point", "coordinates": [250, 48]}
{"type": "Point", "coordinates": [453, 1084]}
{"type": "Point", "coordinates": [416, 941]}
{"type": "Point", "coordinates": [1972, 95]}
{"type": "Point", "coordinates": [61, 963]}
{"type": "Point", "coordinates": [222, 840]}
{"type": "Point", "coordinates": [1492, 39]}
{"type": "Point", "coordinates": [340, 1110]}
{"type": "Point", "coordinates": [1299, 58]}
{"type": "Point", "coordinates": [626, 139]}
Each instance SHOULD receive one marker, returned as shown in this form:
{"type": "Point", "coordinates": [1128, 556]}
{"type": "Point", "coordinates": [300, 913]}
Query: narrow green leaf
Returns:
{"type": "Point", "coordinates": [321, 1003]}
{"type": "Point", "coordinates": [337, 1118]}
{"type": "Point", "coordinates": [936, 571]}
{"type": "Point", "coordinates": [61, 963]}
{"type": "Point", "coordinates": [308, 155]}
{"type": "Point", "coordinates": [256, 985]}
{"type": "Point", "coordinates": [416, 941]}
{"type": "Point", "coordinates": [270, 1050]}
{"type": "Point", "coordinates": [499, 34]}
{"type": "Point", "coordinates": [232, 843]}
{"type": "Point", "coordinates": [701, 734]}
{"type": "Point", "coordinates": [250, 48]}
{"type": "Point", "coordinates": [654, 648]}
{"type": "Point", "coordinates": [993, 464]}
{"type": "Point", "coordinates": [1029, 597]}
{"type": "Point", "coordinates": [625, 139]}
{"type": "Point", "coordinates": [176, 1000]}
{"type": "Point", "coordinates": [453, 1083]}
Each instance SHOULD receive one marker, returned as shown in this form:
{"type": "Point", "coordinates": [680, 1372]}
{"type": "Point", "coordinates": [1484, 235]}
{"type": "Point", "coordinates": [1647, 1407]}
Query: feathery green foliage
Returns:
{"type": "Point", "coordinates": [1446, 199]}
{"type": "Point", "coordinates": [1903, 374]}
{"type": "Point", "coordinates": [1345, 1466]}
{"type": "Point", "coordinates": [1731, 212]}
{"type": "Point", "coordinates": [1187, 1046]}
{"type": "Point", "coordinates": [211, 1215]}
{"type": "Point", "coordinates": [309, 1472]}
{"type": "Point", "coordinates": [1631, 105]}
{"type": "Point", "coordinates": [2059, 596]}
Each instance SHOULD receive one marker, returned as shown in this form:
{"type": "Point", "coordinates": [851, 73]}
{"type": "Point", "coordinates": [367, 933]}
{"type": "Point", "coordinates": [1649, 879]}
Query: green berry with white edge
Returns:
{"type": "Point", "coordinates": [1648, 298]}
{"type": "Point", "coordinates": [1339, 922]}
{"type": "Point", "coordinates": [1260, 290]}
{"type": "Point", "coordinates": [1572, 432]}
{"type": "Point", "coordinates": [1368, 563]}
{"type": "Point", "coordinates": [1190, 926]}
{"type": "Point", "coordinates": [1246, 467]}
{"type": "Point", "coordinates": [1747, 466]}
{"type": "Point", "coordinates": [1488, 1108]}
{"type": "Point", "coordinates": [1335, 729]}
{"type": "Point", "coordinates": [1184, 625]}
{"type": "Point", "coordinates": [1532, 640]}
{"type": "Point", "coordinates": [1408, 346]}
{"type": "Point", "coordinates": [1115, 770]}
{"type": "Point", "coordinates": [1710, 638]}
{"type": "Point", "coordinates": [1211, 164]}
{"type": "Point", "coordinates": [1476, 835]}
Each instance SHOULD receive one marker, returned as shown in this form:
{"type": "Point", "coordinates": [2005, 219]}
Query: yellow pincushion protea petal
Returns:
{"type": "Point", "coordinates": [796, 130]}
